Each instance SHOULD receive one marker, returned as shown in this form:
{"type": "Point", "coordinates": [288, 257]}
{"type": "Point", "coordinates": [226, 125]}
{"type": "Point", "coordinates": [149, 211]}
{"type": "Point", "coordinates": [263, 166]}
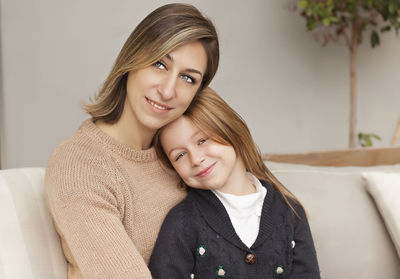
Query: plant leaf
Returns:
{"type": "Point", "coordinates": [386, 28]}
{"type": "Point", "coordinates": [368, 141]}
{"type": "Point", "coordinates": [310, 24]}
{"type": "Point", "coordinates": [303, 4]}
{"type": "Point", "coordinates": [334, 19]}
{"type": "Point", "coordinates": [375, 136]}
{"type": "Point", "coordinates": [392, 7]}
{"type": "Point", "coordinates": [374, 39]}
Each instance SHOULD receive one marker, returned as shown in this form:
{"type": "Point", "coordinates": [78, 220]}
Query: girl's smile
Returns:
{"type": "Point", "coordinates": [206, 171]}
{"type": "Point", "coordinates": [201, 162]}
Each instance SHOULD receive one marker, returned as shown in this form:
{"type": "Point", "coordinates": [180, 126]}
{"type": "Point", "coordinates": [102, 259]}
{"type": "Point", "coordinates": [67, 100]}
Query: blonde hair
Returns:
{"type": "Point", "coordinates": [163, 30]}
{"type": "Point", "coordinates": [214, 117]}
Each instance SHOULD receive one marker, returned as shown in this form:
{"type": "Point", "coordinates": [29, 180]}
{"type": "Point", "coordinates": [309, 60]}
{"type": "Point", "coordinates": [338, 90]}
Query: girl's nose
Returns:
{"type": "Point", "coordinates": [197, 158]}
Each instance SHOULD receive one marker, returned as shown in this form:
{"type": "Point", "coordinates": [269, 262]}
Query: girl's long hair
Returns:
{"type": "Point", "coordinates": [214, 117]}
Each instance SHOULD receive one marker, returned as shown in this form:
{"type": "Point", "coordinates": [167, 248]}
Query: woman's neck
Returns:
{"type": "Point", "coordinates": [128, 133]}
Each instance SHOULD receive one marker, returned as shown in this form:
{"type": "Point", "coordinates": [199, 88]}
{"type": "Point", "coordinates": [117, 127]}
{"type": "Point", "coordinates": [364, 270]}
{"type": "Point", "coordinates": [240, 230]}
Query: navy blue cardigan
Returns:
{"type": "Point", "coordinates": [197, 237]}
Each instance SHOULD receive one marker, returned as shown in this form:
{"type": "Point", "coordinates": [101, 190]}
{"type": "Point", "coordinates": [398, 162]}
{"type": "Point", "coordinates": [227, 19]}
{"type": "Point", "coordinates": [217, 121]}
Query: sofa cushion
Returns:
{"type": "Point", "coordinates": [385, 189]}
{"type": "Point", "coordinates": [350, 237]}
{"type": "Point", "coordinates": [29, 244]}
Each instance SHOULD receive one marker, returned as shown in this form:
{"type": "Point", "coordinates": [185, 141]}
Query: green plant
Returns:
{"type": "Point", "coordinates": [365, 140]}
{"type": "Point", "coordinates": [351, 19]}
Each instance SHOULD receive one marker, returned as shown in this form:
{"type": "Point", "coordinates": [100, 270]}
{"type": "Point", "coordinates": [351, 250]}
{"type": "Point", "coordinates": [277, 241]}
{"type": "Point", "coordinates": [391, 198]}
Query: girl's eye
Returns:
{"type": "Point", "coordinates": [202, 141]}
{"type": "Point", "coordinates": [188, 79]}
{"type": "Point", "coordinates": [160, 65]}
{"type": "Point", "coordinates": [180, 155]}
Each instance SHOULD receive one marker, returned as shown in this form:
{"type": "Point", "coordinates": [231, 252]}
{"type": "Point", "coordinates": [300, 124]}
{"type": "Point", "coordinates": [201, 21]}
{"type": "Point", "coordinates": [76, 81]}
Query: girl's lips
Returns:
{"type": "Point", "coordinates": [206, 171]}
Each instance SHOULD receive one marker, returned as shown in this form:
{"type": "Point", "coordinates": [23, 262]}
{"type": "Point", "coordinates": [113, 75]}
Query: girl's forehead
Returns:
{"type": "Point", "coordinates": [180, 128]}
{"type": "Point", "coordinates": [179, 123]}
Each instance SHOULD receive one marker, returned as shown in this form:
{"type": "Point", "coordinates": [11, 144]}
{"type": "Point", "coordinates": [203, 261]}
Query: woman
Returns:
{"type": "Point", "coordinates": [106, 190]}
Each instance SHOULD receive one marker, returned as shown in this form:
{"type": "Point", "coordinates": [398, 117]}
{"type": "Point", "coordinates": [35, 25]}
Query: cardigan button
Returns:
{"type": "Point", "coordinates": [279, 270]}
{"type": "Point", "coordinates": [250, 258]}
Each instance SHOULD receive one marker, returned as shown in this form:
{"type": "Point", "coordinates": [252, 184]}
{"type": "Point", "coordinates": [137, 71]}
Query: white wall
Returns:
{"type": "Point", "coordinates": [293, 93]}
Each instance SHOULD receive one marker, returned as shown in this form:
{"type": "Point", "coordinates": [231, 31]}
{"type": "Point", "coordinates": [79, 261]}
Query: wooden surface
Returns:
{"type": "Point", "coordinates": [396, 135]}
{"type": "Point", "coordinates": [349, 157]}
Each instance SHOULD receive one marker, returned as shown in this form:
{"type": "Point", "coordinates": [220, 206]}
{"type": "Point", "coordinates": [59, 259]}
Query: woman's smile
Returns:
{"type": "Point", "coordinates": [157, 95]}
{"type": "Point", "coordinates": [158, 106]}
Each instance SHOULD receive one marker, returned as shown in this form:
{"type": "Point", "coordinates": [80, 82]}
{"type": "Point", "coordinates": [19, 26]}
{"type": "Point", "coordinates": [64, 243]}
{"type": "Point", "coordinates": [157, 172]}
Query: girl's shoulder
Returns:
{"type": "Point", "coordinates": [282, 204]}
{"type": "Point", "coordinates": [189, 214]}
{"type": "Point", "coordinates": [184, 209]}
{"type": "Point", "coordinates": [182, 221]}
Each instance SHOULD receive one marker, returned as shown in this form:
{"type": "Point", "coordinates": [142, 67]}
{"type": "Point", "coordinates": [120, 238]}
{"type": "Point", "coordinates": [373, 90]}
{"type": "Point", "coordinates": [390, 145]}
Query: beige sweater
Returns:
{"type": "Point", "coordinates": [108, 202]}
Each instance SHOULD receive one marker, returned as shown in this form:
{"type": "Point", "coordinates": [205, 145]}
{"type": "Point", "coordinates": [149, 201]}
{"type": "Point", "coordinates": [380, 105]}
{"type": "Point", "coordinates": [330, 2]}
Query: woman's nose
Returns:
{"type": "Point", "coordinates": [166, 87]}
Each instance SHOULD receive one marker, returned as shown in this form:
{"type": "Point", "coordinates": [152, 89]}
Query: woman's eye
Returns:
{"type": "Point", "coordinates": [160, 65]}
{"type": "Point", "coordinates": [188, 79]}
{"type": "Point", "coordinates": [180, 155]}
{"type": "Point", "coordinates": [202, 141]}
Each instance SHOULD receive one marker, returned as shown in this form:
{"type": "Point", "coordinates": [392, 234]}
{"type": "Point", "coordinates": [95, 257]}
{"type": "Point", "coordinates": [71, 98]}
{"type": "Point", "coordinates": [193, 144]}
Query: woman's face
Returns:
{"type": "Point", "coordinates": [160, 93]}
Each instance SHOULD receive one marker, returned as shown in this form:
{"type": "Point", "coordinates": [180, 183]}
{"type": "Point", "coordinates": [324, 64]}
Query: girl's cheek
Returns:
{"type": "Point", "coordinates": [182, 172]}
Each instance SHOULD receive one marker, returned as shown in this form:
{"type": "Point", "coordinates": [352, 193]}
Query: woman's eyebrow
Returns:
{"type": "Point", "coordinates": [190, 70]}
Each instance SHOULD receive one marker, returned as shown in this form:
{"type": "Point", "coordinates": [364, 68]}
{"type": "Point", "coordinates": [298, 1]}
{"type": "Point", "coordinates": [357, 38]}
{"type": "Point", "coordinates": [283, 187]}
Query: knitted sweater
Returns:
{"type": "Point", "coordinates": [198, 238]}
{"type": "Point", "coordinates": [108, 202]}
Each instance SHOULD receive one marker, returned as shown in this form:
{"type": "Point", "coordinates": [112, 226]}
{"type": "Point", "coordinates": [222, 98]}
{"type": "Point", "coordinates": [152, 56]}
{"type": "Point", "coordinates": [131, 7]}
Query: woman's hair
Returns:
{"type": "Point", "coordinates": [163, 30]}
{"type": "Point", "coordinates": [214, 117]}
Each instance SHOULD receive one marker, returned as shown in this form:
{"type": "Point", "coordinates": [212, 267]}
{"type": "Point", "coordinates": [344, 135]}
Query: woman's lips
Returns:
{"type": "Point", "coordinates": [157, 105]}
{"type": "Point", "coordinates": [206, 171]}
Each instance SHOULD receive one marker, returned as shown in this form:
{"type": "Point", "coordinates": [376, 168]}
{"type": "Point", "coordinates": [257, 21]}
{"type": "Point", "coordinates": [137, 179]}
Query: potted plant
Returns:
{"type": "Point", "coordinates": [349, 20]}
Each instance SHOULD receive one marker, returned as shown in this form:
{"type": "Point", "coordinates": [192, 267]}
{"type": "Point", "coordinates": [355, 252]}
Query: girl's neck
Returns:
{"type": "Point", "coordinates": [239, 183]}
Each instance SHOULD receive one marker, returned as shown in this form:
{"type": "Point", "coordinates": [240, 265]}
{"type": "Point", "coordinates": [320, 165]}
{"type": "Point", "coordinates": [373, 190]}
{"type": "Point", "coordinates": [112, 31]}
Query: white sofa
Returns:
{"type": "Point", "coordinates": [350, 235]}
{"type": "Point", "coordinates": [349, 224]}
{"type": "Point", "coordinates": [29, 244]}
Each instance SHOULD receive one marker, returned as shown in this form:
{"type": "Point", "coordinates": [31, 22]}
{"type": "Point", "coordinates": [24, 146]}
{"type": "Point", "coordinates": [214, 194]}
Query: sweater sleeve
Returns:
{"type": "Point", "coordinates": [305, 263]}
{"type": "Point", "coordinates": [172, 255]}
{"type": "Point", "coordinates": [88, 212]}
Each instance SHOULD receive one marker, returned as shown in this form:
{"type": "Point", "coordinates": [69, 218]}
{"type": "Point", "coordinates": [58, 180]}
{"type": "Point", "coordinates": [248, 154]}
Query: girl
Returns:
{"type": "Point", "coordinates": [105, 187]}
{"type": "Point", "coordinates": [238, 220]}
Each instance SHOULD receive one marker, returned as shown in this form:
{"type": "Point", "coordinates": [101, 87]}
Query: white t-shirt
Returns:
{"type": "Point", "coordinates": [245, 211]}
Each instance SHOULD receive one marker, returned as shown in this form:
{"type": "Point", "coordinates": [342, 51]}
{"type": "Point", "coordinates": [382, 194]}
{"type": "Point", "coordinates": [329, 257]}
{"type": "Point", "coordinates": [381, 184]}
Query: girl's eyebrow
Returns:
{"type": "Point", "coordinates": [192, 138]}
{"type": "Point", "coordinates": [169, 153]}
{"type": "Point", "coordinates": [190, 70]}
{"type": "Point", "coordinates": [195, 134]}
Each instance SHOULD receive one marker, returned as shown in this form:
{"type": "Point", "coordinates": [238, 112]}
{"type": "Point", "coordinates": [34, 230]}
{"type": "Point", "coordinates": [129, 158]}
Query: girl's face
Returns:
{"type": "Point", "coordinates": [160, 93]}
{"type": "Point", "coordinates": [201, 162]}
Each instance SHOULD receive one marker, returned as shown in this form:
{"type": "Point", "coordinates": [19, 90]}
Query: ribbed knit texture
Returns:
{"type": "Point", "coordinates": [108, 202]}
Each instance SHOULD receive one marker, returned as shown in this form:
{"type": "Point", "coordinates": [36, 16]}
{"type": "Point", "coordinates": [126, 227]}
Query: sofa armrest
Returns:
{"type": "Point", "coordinates": [29, 244]}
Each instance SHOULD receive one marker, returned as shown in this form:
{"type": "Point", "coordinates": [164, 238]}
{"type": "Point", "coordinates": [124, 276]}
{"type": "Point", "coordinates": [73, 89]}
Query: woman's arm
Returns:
{"type": "Point", "coordinates": [172, 255]}
{"type": "Point", "coordinates": [88, 212]}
